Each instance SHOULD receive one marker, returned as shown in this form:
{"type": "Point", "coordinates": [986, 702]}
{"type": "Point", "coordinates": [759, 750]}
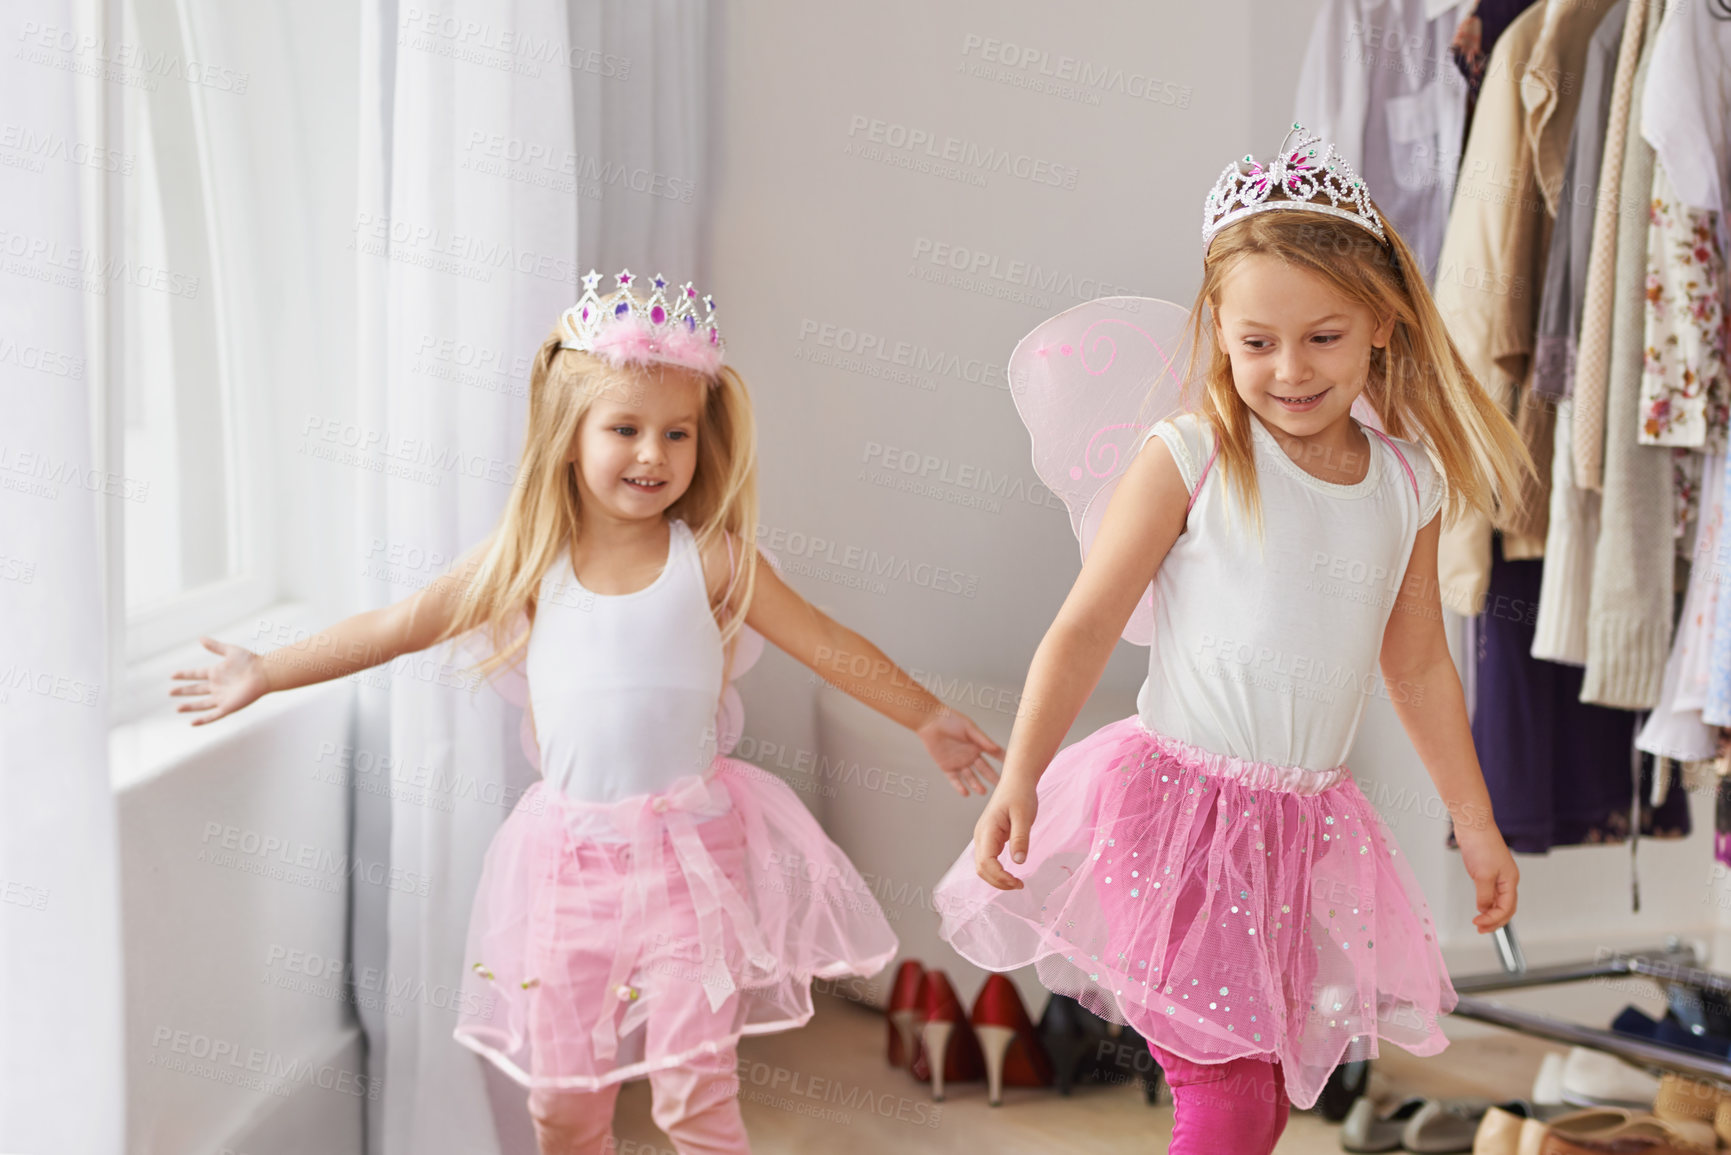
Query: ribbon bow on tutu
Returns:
{"type": "Point", "coordinates": [714, 896]}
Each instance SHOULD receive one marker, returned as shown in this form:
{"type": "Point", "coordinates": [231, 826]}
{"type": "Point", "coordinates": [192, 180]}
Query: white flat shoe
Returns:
{"type": "Point", "coordinates": [1370, 1126]}
{"type": "Point", "coordinates": [1444, 1125]}
{"type": "Point", "coordinates": [1595, 1079]}
{"type": "Point", "coordinates": [1548, 1085]}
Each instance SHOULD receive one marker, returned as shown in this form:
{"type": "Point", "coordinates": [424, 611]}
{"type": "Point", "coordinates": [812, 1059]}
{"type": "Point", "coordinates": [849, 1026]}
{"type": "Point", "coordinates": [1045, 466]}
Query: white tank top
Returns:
{"type": "Point", "coordinates": [1270, 653]}
{"type": "Point", "coordinates": [625, 687]}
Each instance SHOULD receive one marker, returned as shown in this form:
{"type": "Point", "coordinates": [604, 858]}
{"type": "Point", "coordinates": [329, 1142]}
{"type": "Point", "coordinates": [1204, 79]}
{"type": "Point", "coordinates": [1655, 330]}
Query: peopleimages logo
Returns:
{"type": "Point", "coordinates": [121, 61]}
{"type": "Point", "coordinates": [448, 34]}
{"type": "Point", "coordinates": [1069, 76]}
{"type": "Point", "coordinates": [869, 347]}
{"type": "Point", "coordinates": [999, 275]}
{"type": "Point", "coordinates": [796, 548]}
{"type": "Point", "coordinates": [871, 138]}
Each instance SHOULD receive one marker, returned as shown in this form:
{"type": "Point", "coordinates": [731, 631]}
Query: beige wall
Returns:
{"type": "Point", "coordinates": [817, 246]}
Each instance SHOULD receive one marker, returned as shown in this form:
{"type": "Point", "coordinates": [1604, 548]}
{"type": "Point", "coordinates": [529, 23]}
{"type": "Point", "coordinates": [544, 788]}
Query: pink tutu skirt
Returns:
{"type": "Point", "coordinates": [610, 941]}
{"type": "Point", "coordinates": [1223, 908]}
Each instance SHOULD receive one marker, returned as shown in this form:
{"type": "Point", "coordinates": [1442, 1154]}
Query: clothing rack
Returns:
{"type": "Point", "coordinates": [1674, 964]}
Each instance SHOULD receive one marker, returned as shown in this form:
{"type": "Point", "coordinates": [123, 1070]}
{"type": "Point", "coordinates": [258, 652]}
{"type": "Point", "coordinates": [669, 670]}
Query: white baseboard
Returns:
{"type": "Point", "coordinates": [328, 1120]}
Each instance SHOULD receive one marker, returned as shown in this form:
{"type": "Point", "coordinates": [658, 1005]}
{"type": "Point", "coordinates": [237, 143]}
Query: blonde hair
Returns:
{"type": "Point", "coordinates": [1420, 385]}
{"type": "Point", "coordinates": [543, 516]}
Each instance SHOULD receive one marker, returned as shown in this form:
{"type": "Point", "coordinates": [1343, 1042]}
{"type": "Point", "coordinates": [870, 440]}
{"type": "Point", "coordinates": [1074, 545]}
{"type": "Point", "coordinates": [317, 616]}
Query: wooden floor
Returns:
{"type": "Point", "coordinates": [827, 1089]}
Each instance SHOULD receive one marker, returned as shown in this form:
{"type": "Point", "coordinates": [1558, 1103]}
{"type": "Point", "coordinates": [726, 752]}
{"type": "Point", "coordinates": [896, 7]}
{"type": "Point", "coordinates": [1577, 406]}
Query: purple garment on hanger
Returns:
{"type": "Point", "coordinates": [1495, 16]}
{"type": "Point", "coordinates": [1722, 821]}
{"type": "Point", "coordinates": [1558, 770]}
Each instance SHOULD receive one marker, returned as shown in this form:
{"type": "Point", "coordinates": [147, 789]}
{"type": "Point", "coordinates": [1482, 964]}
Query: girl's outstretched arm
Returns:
{"type": "Point", "coordinates": [356, 643]}
{"type": "Point", "coordinates": [855, 666]}
{"type": "Point", "coordinates": [1144, 518]}
{"type": "Point", "coordinates": [1421, 681]}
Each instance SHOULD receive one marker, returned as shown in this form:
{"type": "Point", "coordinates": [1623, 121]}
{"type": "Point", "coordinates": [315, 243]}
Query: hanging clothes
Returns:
{"type": "Point", "coordinates": [1629, 617]}
{"type": "Point", "coordinates": [1496, 227]}
{"type": "Point", "coordinates": [1572, 533]}
{"type": "Point", "coordinates": [1550, 91]}
{"type": "Point", "coordinates": [1566, 588]}
{"type": "Point", "coordinates": [1558, 770]}
{"type": "Point", "coordinates": [1494, 18]}
{"type": "Point", "coordinates": [1710, 568]}
{"type": "Point", "coordinates": [1494, 255]}
{"type": "Point", "coordinates": [1683, 381]}
{"type": "Point", "coordinates": [1665, 816]}
{"type": "Point", "coordinates": [1717, 711]}
{"type": "Point", "coordinates": [1587, 289]}
{"type": "Point", "coordinates": [1722, 821]}
{"type": "Point", "coordinates": [1377, 81]}
{"type": "Point", "coordinates": [1571, 238]}
{"type": "Point", "coordinates": [1675, 729]}
{"type": "Point", "coordinates": [1686, 114]}
{"type": "Point", "coordinates": [1592, 371]}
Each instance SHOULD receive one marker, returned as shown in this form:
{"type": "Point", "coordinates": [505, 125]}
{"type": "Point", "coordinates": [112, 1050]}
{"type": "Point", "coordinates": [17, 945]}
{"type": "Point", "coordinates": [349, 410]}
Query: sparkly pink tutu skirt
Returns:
{"type": "Point", "coordinates": [1223, 908]}
{"type": "Point", "coordinates": [610, 941]}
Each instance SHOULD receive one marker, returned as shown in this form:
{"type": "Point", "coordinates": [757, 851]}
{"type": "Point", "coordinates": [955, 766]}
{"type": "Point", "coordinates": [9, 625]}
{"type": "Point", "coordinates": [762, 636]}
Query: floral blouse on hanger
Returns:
{"type": "Point", "coordinates": [1685, 396]}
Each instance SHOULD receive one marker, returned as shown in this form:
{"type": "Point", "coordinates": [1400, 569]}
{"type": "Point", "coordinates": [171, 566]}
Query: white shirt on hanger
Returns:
{"type": "Point", "coordinates": [1686, 109]}
{"type": "Point", "coordinates": [1379, 83]}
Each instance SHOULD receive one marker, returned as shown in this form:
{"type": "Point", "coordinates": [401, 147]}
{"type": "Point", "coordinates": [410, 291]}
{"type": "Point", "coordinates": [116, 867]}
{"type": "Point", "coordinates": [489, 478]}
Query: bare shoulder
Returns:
{"type": "Point", "coordinates": [1155, 485]}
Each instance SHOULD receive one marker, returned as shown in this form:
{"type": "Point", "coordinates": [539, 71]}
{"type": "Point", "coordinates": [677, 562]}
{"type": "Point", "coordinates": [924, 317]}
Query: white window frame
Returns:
{"type": "Point", "coordinates": [145, 645]}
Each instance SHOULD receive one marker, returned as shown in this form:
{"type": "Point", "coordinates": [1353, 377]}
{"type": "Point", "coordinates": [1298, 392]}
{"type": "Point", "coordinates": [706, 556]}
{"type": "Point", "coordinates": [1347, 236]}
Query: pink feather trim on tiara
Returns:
{"type": "Point", "coordinates": [624, 329]}
{"type": "Point", "coordinates": [629, 342]}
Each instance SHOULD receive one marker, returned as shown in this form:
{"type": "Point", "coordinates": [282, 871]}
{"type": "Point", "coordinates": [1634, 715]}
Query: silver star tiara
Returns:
{"type": "Point", "coordinates": [1295, 179]}
{"type": "Point", "coordinates": [625, 329]}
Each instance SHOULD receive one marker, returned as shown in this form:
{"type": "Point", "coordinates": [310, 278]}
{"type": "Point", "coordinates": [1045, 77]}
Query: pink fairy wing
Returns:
{"type": "Point", "coordinates": [511, 682]}
{"type": "Point", "coordinates": [1089, 384]}
{"type": "Point", "coordinates": [747, 649]}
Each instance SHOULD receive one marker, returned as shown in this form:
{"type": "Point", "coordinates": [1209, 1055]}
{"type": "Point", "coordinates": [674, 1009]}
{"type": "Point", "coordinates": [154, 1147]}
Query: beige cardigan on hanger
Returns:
{"type": "Point", "coordinates": [1493, 257]}
{"type": "Point", "coordinates": [1592, 361]}
{"type": "Point", "coordinates": [1634, 564]}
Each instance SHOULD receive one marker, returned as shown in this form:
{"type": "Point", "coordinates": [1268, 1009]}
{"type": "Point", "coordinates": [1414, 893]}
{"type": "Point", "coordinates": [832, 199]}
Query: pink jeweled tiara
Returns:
{"type": "Point", "coordinates": [624, 329]}
{"type": "Point", "coordinates": [1295, 179]}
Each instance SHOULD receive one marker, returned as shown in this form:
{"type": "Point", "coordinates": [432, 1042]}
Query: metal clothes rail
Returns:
{"type": "Point", "coordinates": [1675, 964]}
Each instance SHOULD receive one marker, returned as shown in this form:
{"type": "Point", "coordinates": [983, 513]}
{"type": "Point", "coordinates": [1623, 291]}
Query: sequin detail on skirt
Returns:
{"type": "Point", "coordinates": [1222, 907]}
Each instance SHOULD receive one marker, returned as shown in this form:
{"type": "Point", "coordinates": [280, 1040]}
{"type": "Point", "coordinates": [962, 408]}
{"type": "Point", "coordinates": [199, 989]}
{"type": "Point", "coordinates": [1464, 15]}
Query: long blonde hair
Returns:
{"type": "Point", "coordinates": [1420, 385]}
{"type": "Point", "coordinates": [543, 517]}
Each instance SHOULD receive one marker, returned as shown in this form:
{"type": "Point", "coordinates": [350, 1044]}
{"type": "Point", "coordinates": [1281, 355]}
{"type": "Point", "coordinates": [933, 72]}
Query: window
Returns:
{"type": "Point", "coordinates": [194, 557]}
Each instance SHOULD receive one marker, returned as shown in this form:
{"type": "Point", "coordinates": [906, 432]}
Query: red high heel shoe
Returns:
{"type": "Point", "coordinates": [946, 1034]}
{"type": "Point", "coordinates": [904, 1013]}
{"type": "Point", "coordinates": [1013, 1053]}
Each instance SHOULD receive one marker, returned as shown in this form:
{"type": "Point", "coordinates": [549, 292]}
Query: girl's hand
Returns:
{"type": "Point", "coordinates": [237, 680]}
{"type": "Point", "coordinates": [1494, 874]}
{"type": "Point", "coordinates": [1006, 821]}
{"type": "Point", "coordinates": [959, 748]}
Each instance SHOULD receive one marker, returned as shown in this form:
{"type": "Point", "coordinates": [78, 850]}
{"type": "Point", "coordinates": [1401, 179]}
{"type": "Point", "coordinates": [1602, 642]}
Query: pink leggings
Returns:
{"type": "Point", "coordinates": [1235, 1108]}
{"type": "Point", "coordinates": [698, 1107]}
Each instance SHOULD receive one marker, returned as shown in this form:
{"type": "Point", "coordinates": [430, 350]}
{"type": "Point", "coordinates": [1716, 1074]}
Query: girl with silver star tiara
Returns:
{"type": "Point", "coordinates": [651, 900]}
{"type": "Point", "coordinates": [1207, 871]}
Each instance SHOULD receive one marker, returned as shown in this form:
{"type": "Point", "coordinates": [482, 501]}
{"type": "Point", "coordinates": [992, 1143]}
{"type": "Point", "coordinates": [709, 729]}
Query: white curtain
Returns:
{"type": "Point", "coordinates": [61, 1082]}
{"type": "Point", "coordinates": [505, 148]}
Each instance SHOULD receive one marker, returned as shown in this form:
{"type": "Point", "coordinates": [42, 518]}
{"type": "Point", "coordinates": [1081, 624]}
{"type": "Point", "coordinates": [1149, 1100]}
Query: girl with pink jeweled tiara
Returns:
{"type": "Point", "coordinates": [1207, 871]}
{"type": "Point", "coordinates": [651, 900]}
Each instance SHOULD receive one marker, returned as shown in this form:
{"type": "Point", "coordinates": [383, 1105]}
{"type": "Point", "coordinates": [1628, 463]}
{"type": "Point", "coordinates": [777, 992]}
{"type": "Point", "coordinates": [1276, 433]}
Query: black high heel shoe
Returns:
{"type": "Point", "coordinates": [1072, 1035]}
{"type": "Point", "coordinates": [1142, 1062]}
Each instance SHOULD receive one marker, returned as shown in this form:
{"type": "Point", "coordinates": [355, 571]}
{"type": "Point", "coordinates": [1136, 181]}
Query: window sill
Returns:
{"type": "Point", "coordinates": [153, 737]}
